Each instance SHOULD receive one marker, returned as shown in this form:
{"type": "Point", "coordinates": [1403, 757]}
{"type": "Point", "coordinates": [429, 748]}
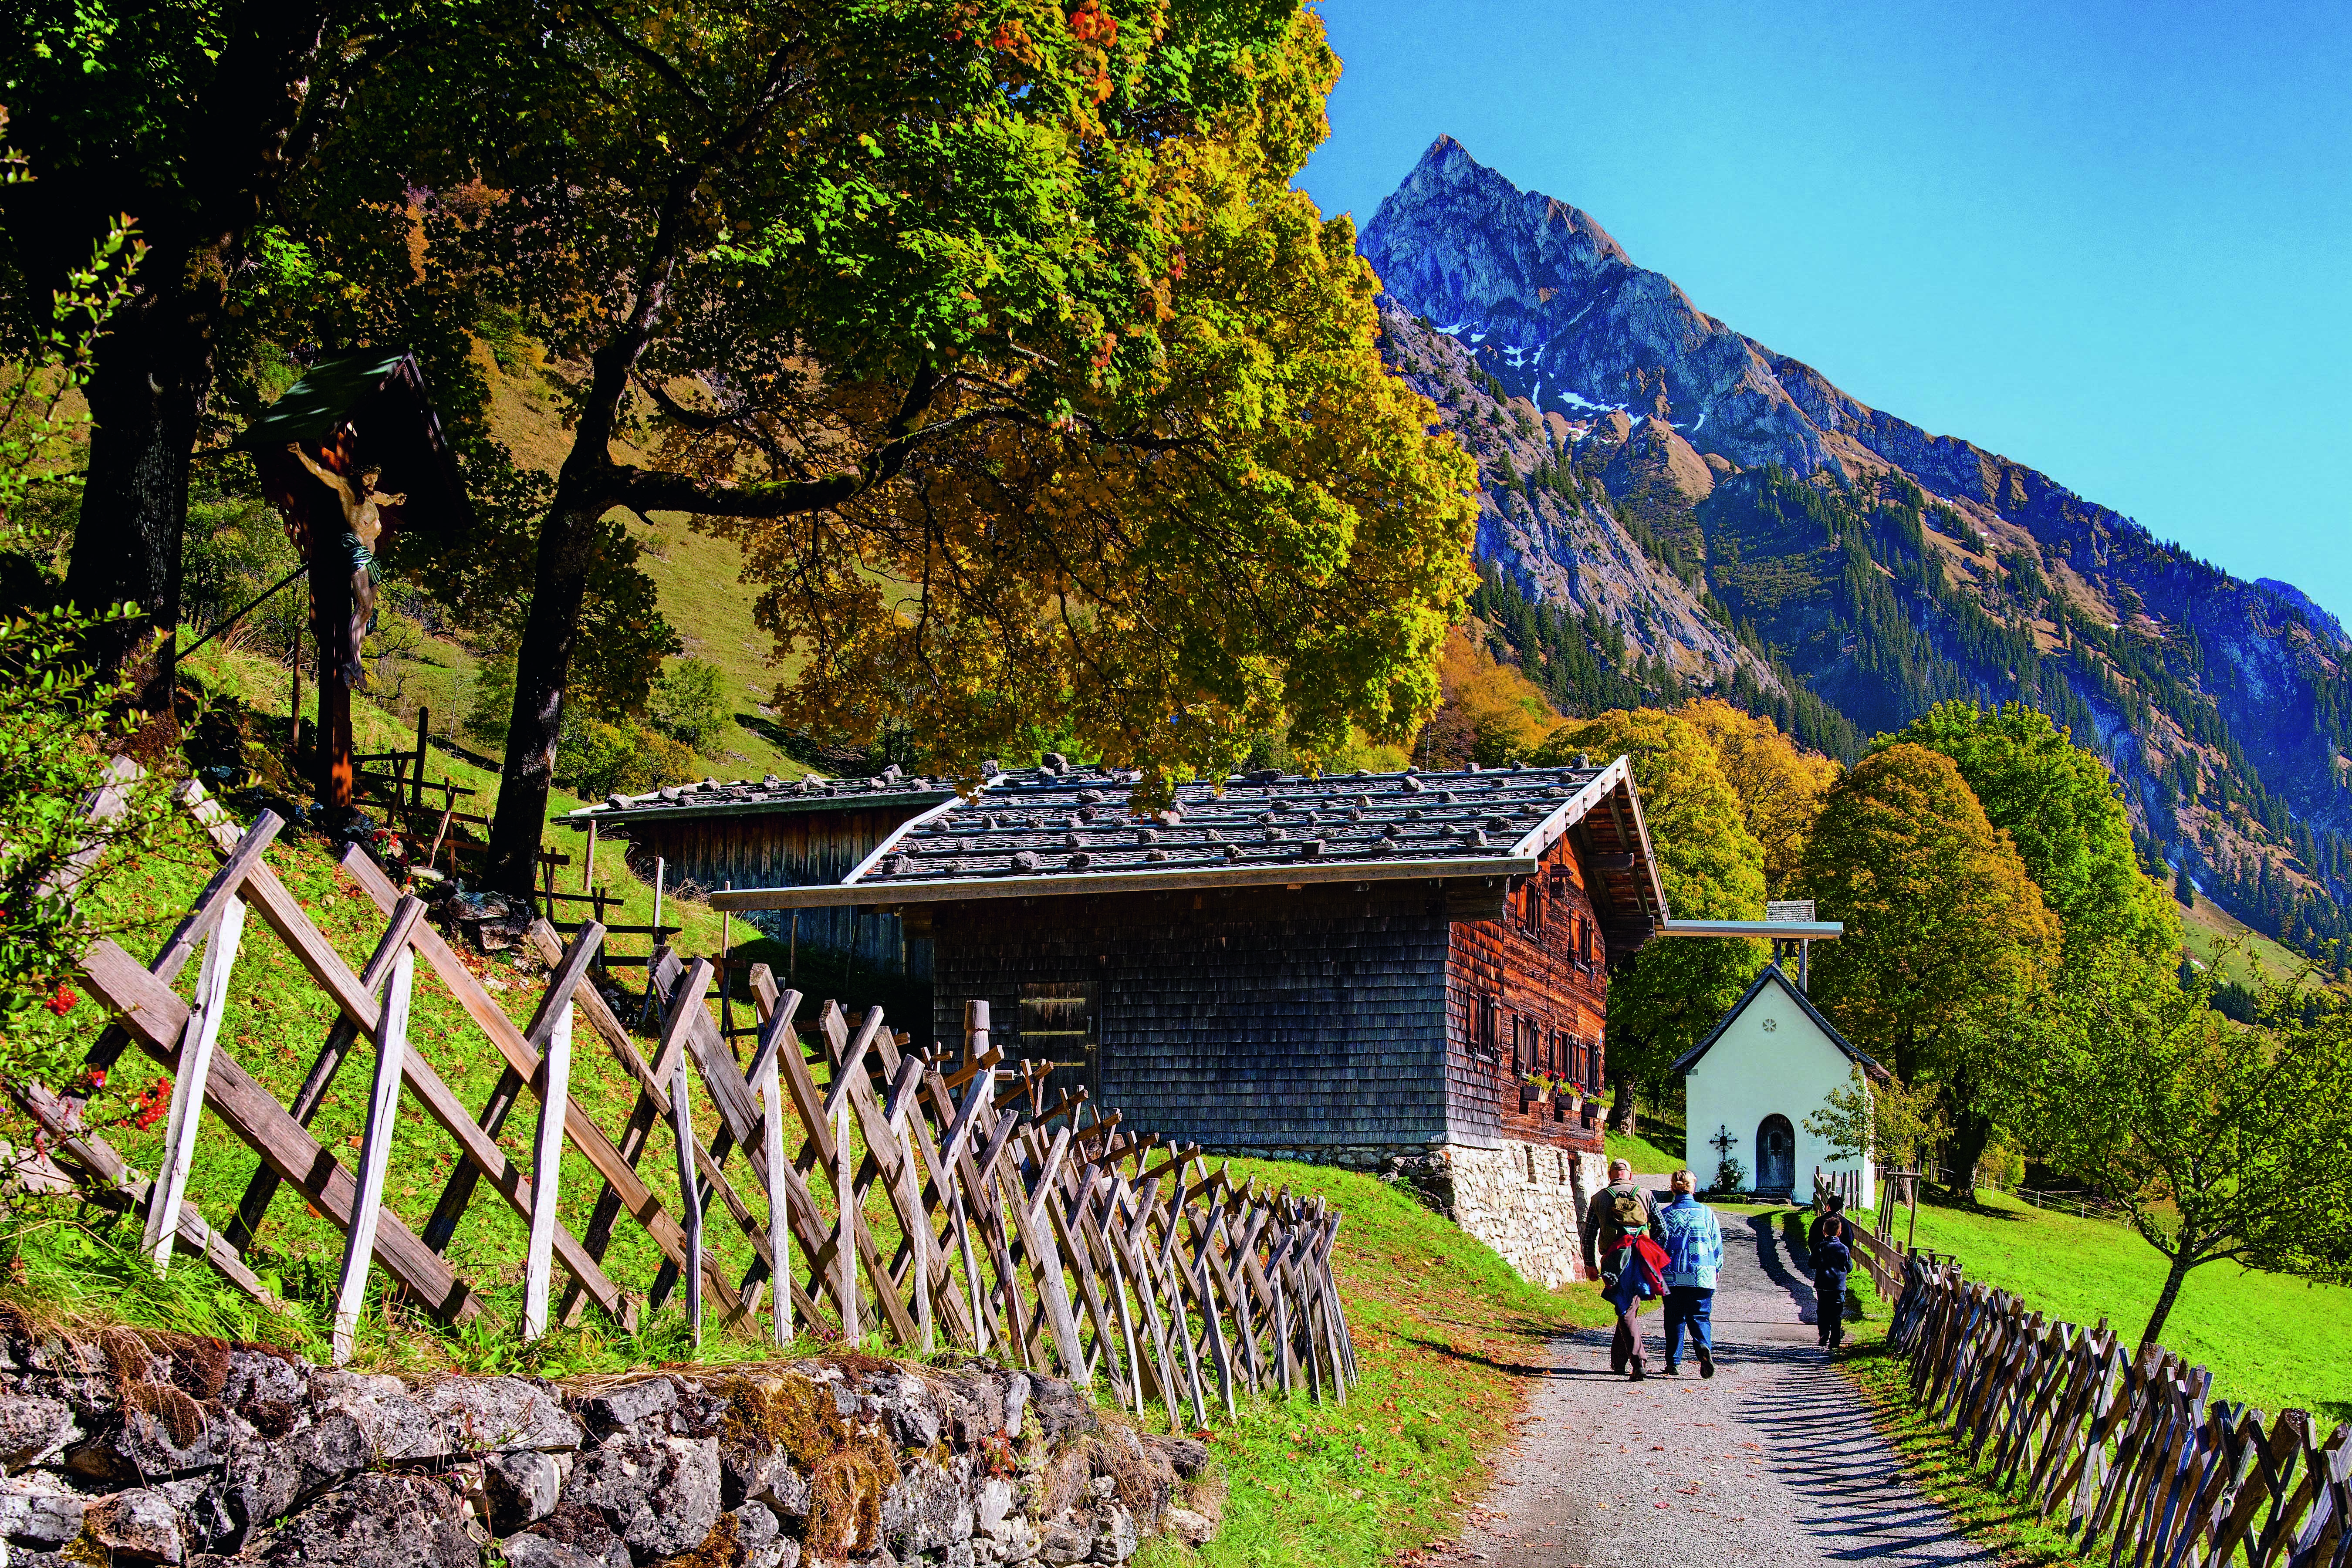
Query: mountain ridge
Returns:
{"type": "Point", "coordinates": [1800, 546]}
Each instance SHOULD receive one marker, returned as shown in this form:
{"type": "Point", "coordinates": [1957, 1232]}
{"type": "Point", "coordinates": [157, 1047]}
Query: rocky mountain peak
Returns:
{"type": "Point", "coordinates": [1668, 505]}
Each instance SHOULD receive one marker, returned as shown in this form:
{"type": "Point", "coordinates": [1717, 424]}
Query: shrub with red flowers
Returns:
{"type": "Point", "coordinates": [153, 1103]}
{"type": "Point", "coordinates": [56, 734]}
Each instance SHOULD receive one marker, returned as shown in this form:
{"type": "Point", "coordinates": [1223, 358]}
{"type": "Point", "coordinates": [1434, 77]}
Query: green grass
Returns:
{"type": "Point", "coordinates": [1655, 1145]}
{"type": "Point", "coordinates": [2213, 935]}
{"type": "Point", "coordinates": [261, 686]}
{"type": "Point", "coordinates": [2269, 1339]}
{"type": "Point", "coordinates": [1445, 1333]}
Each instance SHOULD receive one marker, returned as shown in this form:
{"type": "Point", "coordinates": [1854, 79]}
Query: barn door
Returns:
{"type": "Point", "coordinates": [1059, 1024]}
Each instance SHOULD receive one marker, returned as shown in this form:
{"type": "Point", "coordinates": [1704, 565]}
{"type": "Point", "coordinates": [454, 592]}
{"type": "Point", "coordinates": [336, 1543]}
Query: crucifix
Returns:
{"type": "Point", "coordinates": [351, 456]}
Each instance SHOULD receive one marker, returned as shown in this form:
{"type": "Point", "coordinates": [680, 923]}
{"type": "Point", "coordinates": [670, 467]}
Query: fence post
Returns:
{"type": "Point", "coordinates": [546, 1169]}
{"type": "Point", "coordinates": [780, 1229]}
{"type": "Point", "coordinates": [375, 1154]}
{"type": "Point", "coordinates": [188, 1090]}
{"type": "Point", "coordinates": [424, 724]}
{"type": "Point", "coordinates": [689, 1198]}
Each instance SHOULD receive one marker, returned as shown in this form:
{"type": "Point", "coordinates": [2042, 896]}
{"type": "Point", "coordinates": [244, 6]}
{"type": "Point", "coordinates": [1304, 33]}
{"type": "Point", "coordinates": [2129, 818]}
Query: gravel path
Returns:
{"type": "Point", "coordinates": [1772, 1463]}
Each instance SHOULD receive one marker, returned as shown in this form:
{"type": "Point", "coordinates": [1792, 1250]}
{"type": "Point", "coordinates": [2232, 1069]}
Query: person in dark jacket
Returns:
{"type": "Point", "coordinates": [1832, 1261]}
{"type": "Point", "coordinates": [1833, 1207]}
{"type": "Point", "coordinates": [1618, 1214]}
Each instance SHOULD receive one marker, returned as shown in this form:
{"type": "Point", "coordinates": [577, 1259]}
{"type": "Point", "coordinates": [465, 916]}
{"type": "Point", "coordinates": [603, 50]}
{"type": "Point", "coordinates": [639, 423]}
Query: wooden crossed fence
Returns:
{"type": "Point", "coordinates": [2128, 1444]}
{"type": "Point", "coordinates": [1042, 1235]}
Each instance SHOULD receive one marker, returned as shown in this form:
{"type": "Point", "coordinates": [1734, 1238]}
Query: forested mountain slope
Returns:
{"type": "Point", "coordinates": [1671, 506]}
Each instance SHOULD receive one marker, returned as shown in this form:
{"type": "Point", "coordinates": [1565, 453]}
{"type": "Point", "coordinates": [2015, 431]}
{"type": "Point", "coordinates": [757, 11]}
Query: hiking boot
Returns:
{"type": "Point", "coordinates": [1706, 1362]}
{"type": "Point", "coordinates": [1672, 1370]}
{"type": "Point", "coordinates": [1637, 1372]}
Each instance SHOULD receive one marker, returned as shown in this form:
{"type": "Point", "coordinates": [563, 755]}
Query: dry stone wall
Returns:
{"type": "Point", "coordinates": [145, 1448]}
{"type": "Point", "coordinates": [1527, 1202]}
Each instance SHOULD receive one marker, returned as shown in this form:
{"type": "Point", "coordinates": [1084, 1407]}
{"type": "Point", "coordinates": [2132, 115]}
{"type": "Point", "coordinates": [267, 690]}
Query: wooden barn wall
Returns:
{"type": "Point", "coordinates": [1550, 1002]}
{"type": "Point", "coordinates": [790, 850]}
{"type": "Point", "coordinates": [1245, 1018]}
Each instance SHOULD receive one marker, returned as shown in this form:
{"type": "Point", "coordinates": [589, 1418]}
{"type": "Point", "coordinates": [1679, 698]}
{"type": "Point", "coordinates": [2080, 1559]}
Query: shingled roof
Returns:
{"type": "Point", "coordinates": [767, 796]}
{"type": "Point", "coordinates": [1040, 832]}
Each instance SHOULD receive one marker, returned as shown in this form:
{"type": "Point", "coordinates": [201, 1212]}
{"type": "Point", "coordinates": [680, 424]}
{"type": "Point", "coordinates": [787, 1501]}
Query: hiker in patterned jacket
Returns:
{"type": "Point", "coordinates": [1693, 1238]}
{"type": "Point", "coordinates": [1617, 1226]}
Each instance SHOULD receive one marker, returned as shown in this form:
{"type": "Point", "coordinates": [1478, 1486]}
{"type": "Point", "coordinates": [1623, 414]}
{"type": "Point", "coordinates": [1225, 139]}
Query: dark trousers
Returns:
{"type": "Point", "coordinates": [1626, 1345]}
{"type": "Point", "coordinates": [1829, 1315]}
{"type": "Point", "coordinates": [1621, 1293]}
{"type": "Point", "coordinates": [1688, 1305]}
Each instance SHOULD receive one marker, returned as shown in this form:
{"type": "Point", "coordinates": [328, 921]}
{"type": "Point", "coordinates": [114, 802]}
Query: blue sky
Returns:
{"type": "Point", "coordinates": [2112, 242]}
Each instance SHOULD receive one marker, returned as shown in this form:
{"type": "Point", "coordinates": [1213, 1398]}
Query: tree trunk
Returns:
{"type": "Point", "coordinates": [153, 364]}
{"type": "Point", "coordinates": [154, 369]}
{"type": "Point", "coordinates": [1623, 1112]}
{"type": "Point", "coordinates": [2173, 1277]}
{"type": "Point", "coordinates": [542, 667]}
{"type": "Point", "coordinates": [1971, 1134]}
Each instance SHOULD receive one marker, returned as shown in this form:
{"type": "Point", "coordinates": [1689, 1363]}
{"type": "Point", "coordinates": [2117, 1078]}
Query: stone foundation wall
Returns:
{"type": "Point", "coordinates": [1525, 1200]}
{"type": "Point", "coordinates": [152, 1448]}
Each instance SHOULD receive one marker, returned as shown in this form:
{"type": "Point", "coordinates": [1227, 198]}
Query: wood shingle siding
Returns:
{"type": "Point", "coordinates": [1242, 1019]}
{"type": "Point", "coordinates": [780, 836]}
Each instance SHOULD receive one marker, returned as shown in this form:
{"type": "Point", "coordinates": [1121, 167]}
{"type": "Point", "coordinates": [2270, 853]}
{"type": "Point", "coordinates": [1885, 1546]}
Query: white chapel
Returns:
{"type": "Point", "coordinates": [1767, 1065]}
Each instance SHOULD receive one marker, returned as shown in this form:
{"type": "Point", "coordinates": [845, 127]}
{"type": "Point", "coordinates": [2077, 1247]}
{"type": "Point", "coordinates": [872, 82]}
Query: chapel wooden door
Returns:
{"type": "Point", "coordinates": [1776, 1155]}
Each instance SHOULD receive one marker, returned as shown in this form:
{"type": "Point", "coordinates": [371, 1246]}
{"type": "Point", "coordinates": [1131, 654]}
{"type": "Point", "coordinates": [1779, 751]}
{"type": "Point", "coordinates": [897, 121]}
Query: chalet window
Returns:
{"type": "Point", "coordinates": [1488, 1042]}
{"type": "Point", "coordinates": [1520, 1046]}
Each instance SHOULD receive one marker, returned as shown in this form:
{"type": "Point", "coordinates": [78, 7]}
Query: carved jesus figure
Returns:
{"type": "Point", "coordinates": [363, 506]}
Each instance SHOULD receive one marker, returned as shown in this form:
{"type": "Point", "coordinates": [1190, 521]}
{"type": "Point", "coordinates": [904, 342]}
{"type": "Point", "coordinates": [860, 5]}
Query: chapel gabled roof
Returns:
{"type": "Point", "coordinates": [1772, 975]}
{"type": "Point", "coordinates": [1051, 830]}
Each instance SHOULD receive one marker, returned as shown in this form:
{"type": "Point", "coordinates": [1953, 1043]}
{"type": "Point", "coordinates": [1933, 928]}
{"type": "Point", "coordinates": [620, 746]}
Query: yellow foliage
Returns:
{"type": "Point", "coordinates": [1239, 524]}
{"type": "Point", "coordinates": [1491, 714]}
{"type": "Point", "coordinates": [1779, 783]}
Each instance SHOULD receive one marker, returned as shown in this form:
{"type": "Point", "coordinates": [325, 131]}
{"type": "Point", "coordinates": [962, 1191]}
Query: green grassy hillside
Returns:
{"type": "Point", "coordinates": [2213, 935]}
{"type": "Point", "coordinates": [2269, 1340]}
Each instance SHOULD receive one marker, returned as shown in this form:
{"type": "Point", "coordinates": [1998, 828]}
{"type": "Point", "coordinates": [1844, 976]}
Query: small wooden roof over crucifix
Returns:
{"type": "Point", "coordinates": [373, 400]}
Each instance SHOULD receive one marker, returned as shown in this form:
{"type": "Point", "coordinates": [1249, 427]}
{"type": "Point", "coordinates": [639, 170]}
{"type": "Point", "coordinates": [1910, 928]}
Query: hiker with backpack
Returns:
{"type": "Point", "coordinates": [1619, 1250]}
{"type": "Point", "coordinates": [1693, 1240]}
{"type": "Point", "coordinates": [1832, 1261]}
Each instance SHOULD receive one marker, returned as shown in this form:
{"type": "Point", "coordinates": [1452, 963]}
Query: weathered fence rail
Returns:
{"type": "Point", "coordinates": [928, 1198]}
{"type": "Point", "coordinates": [2127, 1444]}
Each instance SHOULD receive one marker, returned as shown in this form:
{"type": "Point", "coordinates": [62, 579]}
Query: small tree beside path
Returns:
{"type": "Point", "coordinates": [2222, 1142]}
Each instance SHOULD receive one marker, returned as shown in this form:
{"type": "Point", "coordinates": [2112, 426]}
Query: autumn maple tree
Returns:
{"type": "Point", "coordinates": [994, 332]}
{"type": "Point", "coordinates": [1948, 941]}
{"type": "Point", "coordinates": [1669, 994]}
{"type": "Point", "coordinates": [1779, 783]}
